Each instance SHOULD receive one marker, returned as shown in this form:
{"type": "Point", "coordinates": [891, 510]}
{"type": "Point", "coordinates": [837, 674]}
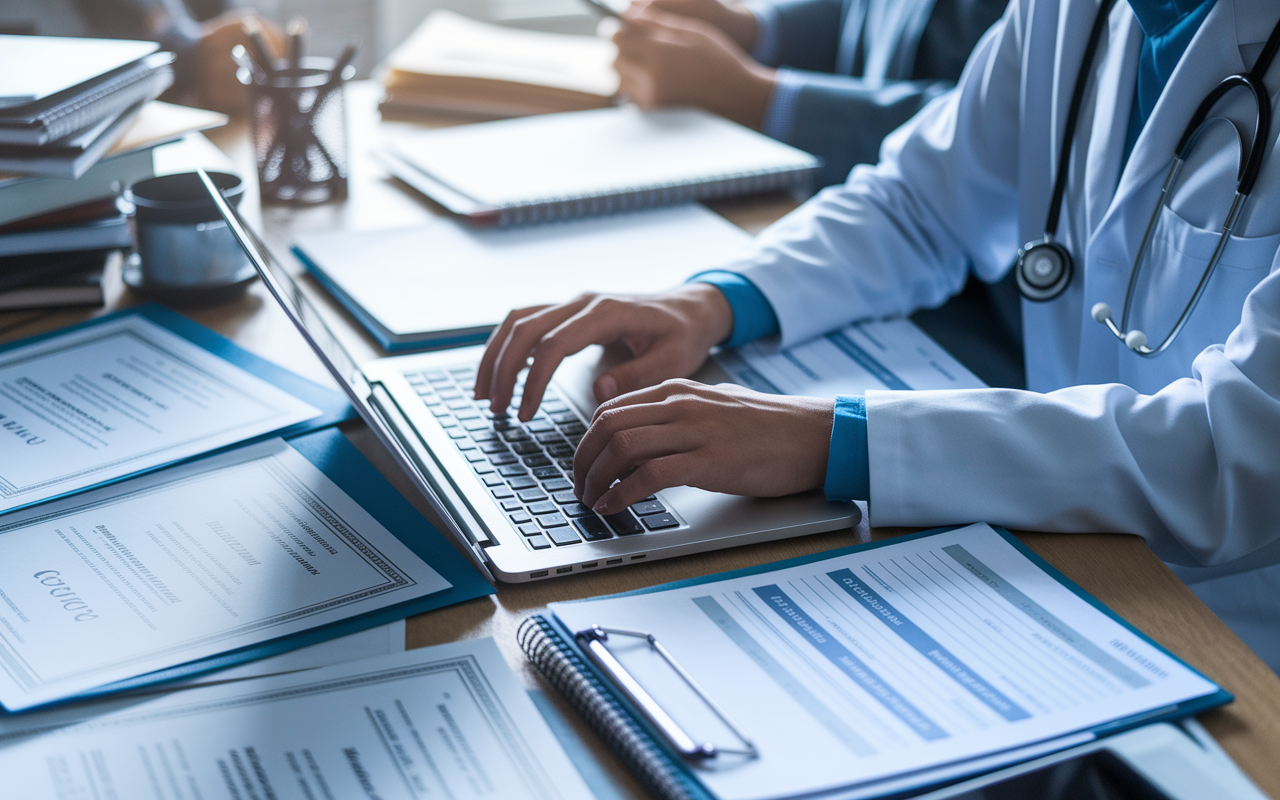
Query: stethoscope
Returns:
{"type": "Point", "coordinates": [1044, 267]}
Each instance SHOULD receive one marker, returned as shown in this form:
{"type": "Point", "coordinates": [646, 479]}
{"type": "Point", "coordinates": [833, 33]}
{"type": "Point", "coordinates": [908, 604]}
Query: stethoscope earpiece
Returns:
{"type": "Point", "coordinates": [1135, 339]}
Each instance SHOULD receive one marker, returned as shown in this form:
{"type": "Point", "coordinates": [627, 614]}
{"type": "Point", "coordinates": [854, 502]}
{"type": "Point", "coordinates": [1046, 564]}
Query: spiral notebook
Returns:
{"type": "Point", "coordinates": [581, 163]}
{"type": "Point", "coordinates": [862, 673]}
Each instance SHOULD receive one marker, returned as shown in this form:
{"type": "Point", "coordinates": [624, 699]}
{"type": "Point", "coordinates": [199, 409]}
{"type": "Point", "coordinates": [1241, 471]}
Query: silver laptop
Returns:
{"type": "Point", "coordinates": [503, 488]}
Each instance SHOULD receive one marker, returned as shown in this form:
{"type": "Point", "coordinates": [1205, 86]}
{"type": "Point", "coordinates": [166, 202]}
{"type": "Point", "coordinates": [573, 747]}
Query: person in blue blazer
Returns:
{"type": "Point", "coordinates": [832, 77]}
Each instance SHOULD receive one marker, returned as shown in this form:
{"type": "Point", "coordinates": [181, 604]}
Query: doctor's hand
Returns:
{"type": "Point", "coordinates": [666, 59]}
{"type": "Point", "coordinates": [721, 438]}
{"type": "Point", "coordinates": [669, 335]}
{"type": "Point", "coordinates": [735, 19]}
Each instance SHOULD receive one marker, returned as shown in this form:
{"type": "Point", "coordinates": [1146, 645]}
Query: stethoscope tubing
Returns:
{"type": "Point", "coordinates": [1247, 175]}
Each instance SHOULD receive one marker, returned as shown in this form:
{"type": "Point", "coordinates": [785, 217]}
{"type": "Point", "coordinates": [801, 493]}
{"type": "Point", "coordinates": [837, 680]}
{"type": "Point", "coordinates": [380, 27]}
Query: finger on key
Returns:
{"type": "Point", "coordinates": [649, 478]}
{"type": "Point", "coordinates": [484, 373]}
{"type": "Point", "coordinates": [514, 351]}
{"type": "Point", "coordinates": [601, 322]}
{"type": "Point", "coordinates": [627, 451]}
{"type": "Point", "coordinates": [629, 411]}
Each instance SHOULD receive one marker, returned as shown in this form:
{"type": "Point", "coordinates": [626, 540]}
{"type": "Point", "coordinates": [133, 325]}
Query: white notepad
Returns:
{"type": "Point", "coordinates": [445, 282]}
{"type": "Point", "coordinates": [35, 67]}
{"type": "Point", "coordinates": [590, 162]}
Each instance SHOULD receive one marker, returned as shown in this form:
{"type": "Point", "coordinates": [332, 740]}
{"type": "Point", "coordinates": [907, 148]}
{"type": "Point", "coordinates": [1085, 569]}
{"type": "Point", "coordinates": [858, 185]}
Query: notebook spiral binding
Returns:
{"type": "Point", "coordinates": [662, 195]}
{"type": "Point", "coordinates": [574, 679]}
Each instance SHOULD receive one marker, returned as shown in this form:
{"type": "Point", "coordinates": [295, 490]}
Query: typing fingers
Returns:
{"type": "Point", "coordinates": [720, 438]}
{"type": "Point", "coordinates": [484, 374]}
{"type": "Point", "coordinates": [513, 350]}
{"type": "Point", "coordinates": [664, 472]}
{"type": "Point", "coordinates": [602, 320]}
{"type": "Point", "coordinates": [619, 428]}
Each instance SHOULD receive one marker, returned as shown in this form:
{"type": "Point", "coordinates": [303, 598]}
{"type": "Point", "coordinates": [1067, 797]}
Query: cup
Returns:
{"type": "Point", "coordinates": [299, 124]}
{"type": "Point", "coordinates": [185, 253]}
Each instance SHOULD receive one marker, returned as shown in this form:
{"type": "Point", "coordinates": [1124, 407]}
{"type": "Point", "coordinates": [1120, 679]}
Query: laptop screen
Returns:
{"type": "Point", "coordinates": [291, 298]}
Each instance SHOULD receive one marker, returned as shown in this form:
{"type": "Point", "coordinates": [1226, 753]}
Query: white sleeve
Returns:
{"type": "Point", "coordinates": [903, 234]}
{"type": "Point", "coordinates": [1193, 468]}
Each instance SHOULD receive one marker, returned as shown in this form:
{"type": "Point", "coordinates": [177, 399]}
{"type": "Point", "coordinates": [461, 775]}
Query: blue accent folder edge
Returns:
{"type": "Point", "coordinates": [332, 404]}
{"type": "Point", "coordinates": [337, 458]}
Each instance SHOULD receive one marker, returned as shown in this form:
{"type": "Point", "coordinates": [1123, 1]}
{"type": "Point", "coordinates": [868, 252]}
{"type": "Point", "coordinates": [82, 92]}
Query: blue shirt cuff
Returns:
{"type": "Point", "coordinates": [780, 116]}
{"type": "Point", "coordinates": [849, 462]}
{"type": "Point", "coordinates": [768, 39]}
{"type": "Point", "coordinates": [753, 315]}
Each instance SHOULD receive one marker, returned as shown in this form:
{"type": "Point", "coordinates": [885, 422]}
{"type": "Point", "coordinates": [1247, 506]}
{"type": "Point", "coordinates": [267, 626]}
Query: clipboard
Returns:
{"type": "Point", "coordinates": [562, 654]}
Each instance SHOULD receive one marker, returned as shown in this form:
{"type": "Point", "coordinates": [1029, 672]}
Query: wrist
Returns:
{"type": "Point", "coordinates": [741, 25]}
{"type": "Point", "coordinates": [708, 311]}
{"type": "Point", "coordinates": [747, 103]}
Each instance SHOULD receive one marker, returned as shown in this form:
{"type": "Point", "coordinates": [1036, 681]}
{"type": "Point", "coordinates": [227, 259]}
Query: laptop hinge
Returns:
{"type": "Point", "coordinates": [475, 536]}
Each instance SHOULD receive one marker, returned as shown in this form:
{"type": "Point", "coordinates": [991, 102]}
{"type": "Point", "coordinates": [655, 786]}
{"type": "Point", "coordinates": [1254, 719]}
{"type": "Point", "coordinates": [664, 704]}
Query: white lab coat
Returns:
{"type": "Point", "coordinates": [1182, 449]}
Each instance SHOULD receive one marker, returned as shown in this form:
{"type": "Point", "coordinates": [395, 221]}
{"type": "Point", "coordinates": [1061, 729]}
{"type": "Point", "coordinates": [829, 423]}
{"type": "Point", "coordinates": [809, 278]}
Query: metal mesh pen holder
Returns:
{"type": "Point", "coordinates": [299, 125]}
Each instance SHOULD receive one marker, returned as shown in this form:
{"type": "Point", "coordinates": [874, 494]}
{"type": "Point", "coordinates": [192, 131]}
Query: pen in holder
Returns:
{"type": "Point", "coordinates": [299, 125]}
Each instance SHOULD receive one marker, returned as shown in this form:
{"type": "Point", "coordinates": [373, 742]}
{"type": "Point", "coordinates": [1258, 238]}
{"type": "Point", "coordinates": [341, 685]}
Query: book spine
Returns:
{"type": "Point", "coordinates": [28, 197]}
{"type": "Point", "coordinates": [785, 179]}
{"type": "Point", "coordinates": [566, 670]}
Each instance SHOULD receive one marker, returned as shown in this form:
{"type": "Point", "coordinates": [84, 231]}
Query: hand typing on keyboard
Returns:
{"type": "Point", "coordinates": [646, 437]}
{"type": "Point", "coordinates": [527, 468]}
{"type": "Point", "coordinates": [721, 438]}
{"type": "Point", "coordinates": [670, 335]}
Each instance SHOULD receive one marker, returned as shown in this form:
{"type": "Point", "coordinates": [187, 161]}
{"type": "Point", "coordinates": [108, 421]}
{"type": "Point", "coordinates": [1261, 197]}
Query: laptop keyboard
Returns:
{"type": "Point", "coordinates": [528, 467]}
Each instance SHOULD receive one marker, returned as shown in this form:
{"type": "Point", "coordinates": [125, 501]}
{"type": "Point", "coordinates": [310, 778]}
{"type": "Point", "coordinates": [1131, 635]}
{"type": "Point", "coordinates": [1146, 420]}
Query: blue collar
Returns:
{"type": "Point", "coordinates": [1157, 16]}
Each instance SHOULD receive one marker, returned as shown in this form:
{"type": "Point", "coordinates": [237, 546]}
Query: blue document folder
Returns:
{"type": "Point", "coordinates": [338, 459]}
{"type": "Point", "coordinates": [331, 403]}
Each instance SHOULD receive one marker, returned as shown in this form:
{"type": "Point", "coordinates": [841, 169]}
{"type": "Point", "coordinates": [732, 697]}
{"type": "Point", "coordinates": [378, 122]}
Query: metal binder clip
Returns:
{"type": "Point", "coordinates": [592, 641]}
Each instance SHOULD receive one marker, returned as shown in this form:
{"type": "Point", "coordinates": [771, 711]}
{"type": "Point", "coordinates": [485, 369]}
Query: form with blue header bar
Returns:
{"type": "Point", "coordinates": [883, 666]}
{"type": "Point", "coordinates": [882, 354]}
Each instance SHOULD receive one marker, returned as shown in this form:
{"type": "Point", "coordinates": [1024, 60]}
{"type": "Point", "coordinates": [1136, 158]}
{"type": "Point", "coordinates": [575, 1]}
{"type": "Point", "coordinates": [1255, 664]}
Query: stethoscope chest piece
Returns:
{"type": "Point", "coordinates": [1043, 270]}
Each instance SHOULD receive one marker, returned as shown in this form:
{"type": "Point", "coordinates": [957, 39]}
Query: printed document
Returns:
{"type": "Point", "coordinates": [886, 662]}
{"type": "Point", "coordinates": [186, 563]}
{"type": "Point", "coordinates": [450, 721]}
{"type": "Point", "coordinates": [93, 405]}
{"type": "Point", "coordinates": [883, 354]}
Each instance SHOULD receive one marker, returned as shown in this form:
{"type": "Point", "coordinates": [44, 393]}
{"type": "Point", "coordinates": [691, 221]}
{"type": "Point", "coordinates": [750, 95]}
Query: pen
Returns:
{"type": "Point", "coordinates": [262, 51]}
{"type": "Point", "coordinates": [604, 8]}
{"type": "Point", "coordinates": [340, 66]}
{"type": "Point", "coordinates": [297, 31]}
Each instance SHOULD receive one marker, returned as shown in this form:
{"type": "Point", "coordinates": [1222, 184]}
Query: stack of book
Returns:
{"type": "Point", "coordinates": [65, 102]}
{"type": "Point", "coordinates": [457, 65]}
{"type": "Point", "coordinates": [78, 123]}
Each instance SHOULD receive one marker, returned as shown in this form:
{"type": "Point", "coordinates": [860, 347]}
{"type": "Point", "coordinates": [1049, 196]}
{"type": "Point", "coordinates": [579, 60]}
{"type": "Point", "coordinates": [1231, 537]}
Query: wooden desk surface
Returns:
{"type": "Point", "coordinates": [1118, 570]}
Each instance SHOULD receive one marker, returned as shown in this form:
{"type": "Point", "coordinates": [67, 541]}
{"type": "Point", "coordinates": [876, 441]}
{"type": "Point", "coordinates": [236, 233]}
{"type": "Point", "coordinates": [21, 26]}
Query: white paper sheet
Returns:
{"type": "Point", "coordinates": [411, 279]}
{"type": "Point", "coordinates": [450, 721]}
{"type": "Point", "coordinates": [186, 563]}
{"type": "Point", "coordinates": [378, 641]}
{"type": "Point", "coordinates": [96, 404]}
{"type": "Point", "coordinates": [885, 354]}
{"type": "Point", "coordinates": [879, 663]}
